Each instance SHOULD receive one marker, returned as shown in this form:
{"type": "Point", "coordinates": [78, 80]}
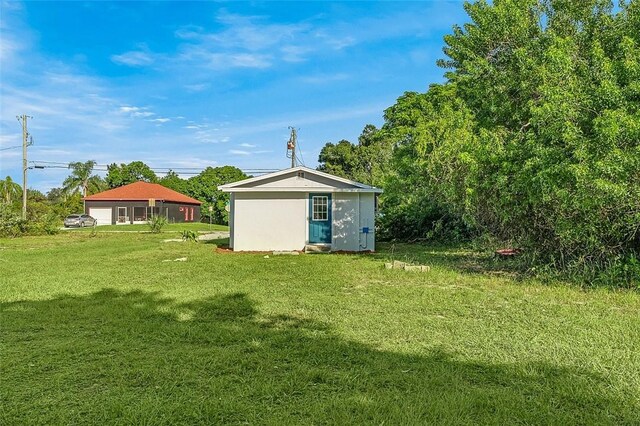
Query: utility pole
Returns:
{"type": "Point", "coordinates": [291, 146]}
{"type": "Point", "coordinates": [25, 142]}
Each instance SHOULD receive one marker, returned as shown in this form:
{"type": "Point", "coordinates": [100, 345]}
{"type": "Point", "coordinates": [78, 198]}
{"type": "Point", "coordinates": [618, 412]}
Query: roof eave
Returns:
{"type": "Point", "coordinates": [143, 199]}
{"type": "Point", "coordinates": [302, 189]}
{"type": "Point", "coordinates": [293, 169]}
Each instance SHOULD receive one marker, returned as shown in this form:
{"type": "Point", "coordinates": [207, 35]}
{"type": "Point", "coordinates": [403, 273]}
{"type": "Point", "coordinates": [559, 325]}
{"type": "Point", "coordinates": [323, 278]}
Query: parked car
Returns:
{"type": "Point", "coordinates": [80, 220]}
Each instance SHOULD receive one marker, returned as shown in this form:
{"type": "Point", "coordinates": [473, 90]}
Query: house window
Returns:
{"type": "Point", "coordinates": [153, 211]}
{"type": "Point", "coordinates": [139, 214]}
{"type": "Point", "coordinates": [320, 207]}
{"type": "Point", "coordinates": [122, 215]}
{"type": "Point", "coordinates": [301, 175]}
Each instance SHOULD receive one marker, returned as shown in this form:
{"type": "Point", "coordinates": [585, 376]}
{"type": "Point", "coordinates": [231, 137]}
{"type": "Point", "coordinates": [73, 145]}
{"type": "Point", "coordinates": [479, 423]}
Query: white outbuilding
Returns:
{"type": "Point", "coordinates": [301, 208]}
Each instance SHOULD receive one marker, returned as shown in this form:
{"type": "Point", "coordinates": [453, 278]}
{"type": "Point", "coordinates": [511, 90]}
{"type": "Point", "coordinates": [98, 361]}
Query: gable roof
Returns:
{"type": "Point", "coordinates": [334, 183]}
{"type": "Point", "coordinates": [142, 191]}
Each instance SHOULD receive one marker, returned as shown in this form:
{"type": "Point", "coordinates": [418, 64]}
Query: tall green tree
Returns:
{"type": "Point", "coordinates": [340, 159]}
{"type": "Point", "coordinates": [172, 181]}
{"type": "Point", "coordinates": [535, 136]}
{"type": "Point", "coordinates": [82, 180]}
{"type": "Point", "coordinates": [366, 162]}
{"type": "Point", "coordinates": [204, 187]}
{"type": "Point", "coordinates": [124, 174]}
{"type": "Point", "coordinates": [425, 190]}
{"type": "Point", "coordinates": [9, 190]}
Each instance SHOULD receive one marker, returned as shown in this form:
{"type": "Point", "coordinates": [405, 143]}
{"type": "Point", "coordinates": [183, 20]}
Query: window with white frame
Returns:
{"type": "Point", "coordinates": [320, 207]}
{"type": "Point", "coordinates": [122, 215]}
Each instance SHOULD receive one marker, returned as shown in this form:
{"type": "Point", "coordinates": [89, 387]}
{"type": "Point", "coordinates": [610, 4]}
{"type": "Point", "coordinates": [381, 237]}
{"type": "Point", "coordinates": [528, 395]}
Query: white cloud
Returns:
{"type": "Point", "coordinates": [136, 112]}
{"type": "Point", "coordinates": [305, 118]}
{"type": "Point", "coordinates": [189, 32]}
{"type": "Point", "coordinates": [245, 42]}
{"type": "Point", "coordinates": [8, 48]}
{"type": "Point", "coordinates": [199, 56]}
{"type": "Point", "coordinates": [7, 5]}
{"type": "Point", "coordinates": [295, 53]}
{"type": "Point", "coordinates": [197, 87]}
{"type": "Point", "coordinates": [246, 60]}
{"type": "Point", "coordinates": [10, 139]}
{"type": "Point", "coordinates": [337, 42]}
{"type": "Point", "coordinates": [61, 98]}
{"type": "Point", "coordinates": [256, 42]}
{"type": "Point", "coordinates": [128, 109]}
{"type": "Point", "coordinates": [160, 120]}
{"type": "Point", "coordinates": [253, 32]}
{"type": "Point", "coordinates": [245, 153]}
{"type": "Point", "coordinates": [10, 153]}
{"type": "Point", "coordinates": [143, 114]}
{"type": "Point", "coordinates": [135, 58]}
{"type": "Point", "coordinates": [247, 145]}
{"type": "Point", "coordinates": [194, 164]}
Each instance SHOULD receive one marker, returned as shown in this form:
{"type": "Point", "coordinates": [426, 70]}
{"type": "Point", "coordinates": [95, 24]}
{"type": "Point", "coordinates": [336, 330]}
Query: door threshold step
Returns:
{"type": "Point", "coordinates": [317, 248]}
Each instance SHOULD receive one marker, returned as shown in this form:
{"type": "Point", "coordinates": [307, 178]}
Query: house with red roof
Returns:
{"type": "Point", "coordinates": [138, 202]}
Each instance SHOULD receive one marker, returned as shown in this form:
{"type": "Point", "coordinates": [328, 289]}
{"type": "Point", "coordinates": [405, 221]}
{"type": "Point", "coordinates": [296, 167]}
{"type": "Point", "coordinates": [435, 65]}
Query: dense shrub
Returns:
{"type": "Point", "coordinates": [156, 223]}
{"type": "Point", "coordinates": [189, 235]}
{"type": "Point", "coordinates": [12, 225]}
{"type": "Point", "coordinates": [534, 138]}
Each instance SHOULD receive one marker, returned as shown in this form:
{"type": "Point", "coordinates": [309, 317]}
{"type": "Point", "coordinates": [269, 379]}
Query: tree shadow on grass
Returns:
{"type": "Point", "coordinates": [138, 358]}
{"type": "Point", "coordinates": [459, 257]}
{"type": "Point", "coordinates": [220, 242]}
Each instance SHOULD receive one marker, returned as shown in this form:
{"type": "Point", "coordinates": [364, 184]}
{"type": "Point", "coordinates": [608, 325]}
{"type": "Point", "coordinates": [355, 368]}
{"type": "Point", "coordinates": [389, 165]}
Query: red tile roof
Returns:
{"type": "Point", "coordinates": [142, 191]}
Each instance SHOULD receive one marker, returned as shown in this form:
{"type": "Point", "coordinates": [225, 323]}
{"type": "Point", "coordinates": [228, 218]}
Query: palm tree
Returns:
{"type": "Point", "coordinates": [9, 190]}
{"type": "Point", "coordinates": [81, 180]}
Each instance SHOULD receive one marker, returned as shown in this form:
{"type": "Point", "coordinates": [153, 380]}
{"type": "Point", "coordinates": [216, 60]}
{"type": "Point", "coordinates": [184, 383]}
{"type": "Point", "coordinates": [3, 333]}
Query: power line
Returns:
{"type": "Point", "coordinates": [301, 158]}
{"type": "Point", "coordinates": [38, 164]}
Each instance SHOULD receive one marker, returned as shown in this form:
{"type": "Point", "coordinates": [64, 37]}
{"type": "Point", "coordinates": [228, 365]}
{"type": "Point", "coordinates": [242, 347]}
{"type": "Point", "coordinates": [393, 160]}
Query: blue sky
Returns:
{"type": "Point", "coordinates": [196, 84]}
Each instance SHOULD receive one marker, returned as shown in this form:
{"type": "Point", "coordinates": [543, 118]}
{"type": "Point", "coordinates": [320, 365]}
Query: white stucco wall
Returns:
{"type": "Point", "coordinates": [367, 219]}
{"type": "Point", "coordinates": [269, 221]}
{"type": "Point", "coordinates": [352, 212]}
{"type": "Point", "coordinates": [345, 221]}
{"type": "Point", "coordinates": [265, 221]}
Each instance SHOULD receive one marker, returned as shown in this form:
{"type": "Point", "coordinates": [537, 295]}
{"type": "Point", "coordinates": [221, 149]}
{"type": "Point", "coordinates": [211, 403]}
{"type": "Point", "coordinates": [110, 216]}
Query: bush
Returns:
{"type": "Point", "coordinates": [11, 224]}
{"type": "Point", "coordinates": [188, 235]}
{"type": "Point", "coordinates": [156, 223]}
{"type": "Point", "coordinates": [48, 224]}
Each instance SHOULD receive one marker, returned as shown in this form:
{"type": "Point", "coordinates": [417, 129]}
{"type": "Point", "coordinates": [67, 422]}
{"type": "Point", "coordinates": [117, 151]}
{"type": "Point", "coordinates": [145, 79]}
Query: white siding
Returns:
{"type": "Point", "coordinates": [269, 221]}
{"type": "Point", "coordinates": [313, 182]}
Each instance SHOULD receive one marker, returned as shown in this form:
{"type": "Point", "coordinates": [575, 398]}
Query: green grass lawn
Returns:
{"type": "Point", "coordinates": [143, 227]}
{"type": "Point", "coordinates": [101, 330]}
